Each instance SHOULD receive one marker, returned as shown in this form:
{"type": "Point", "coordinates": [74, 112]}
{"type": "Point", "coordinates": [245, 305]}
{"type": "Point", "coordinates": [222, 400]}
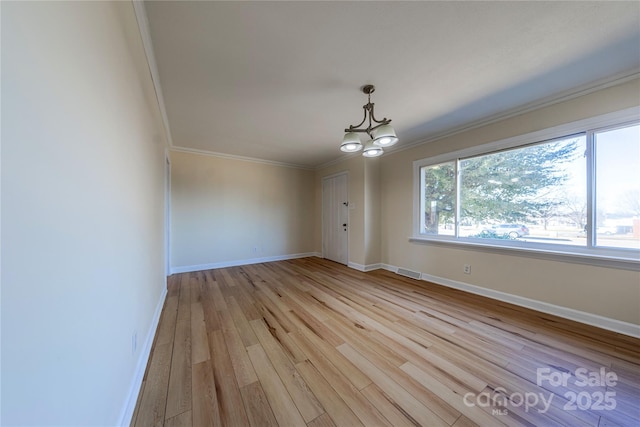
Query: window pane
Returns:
{"type": "Point", "coordinates": [438, 205]}
{"type": "Point", "coordinates": [536, 193]}
{"type": "Point", "coordinates": [618, 187]}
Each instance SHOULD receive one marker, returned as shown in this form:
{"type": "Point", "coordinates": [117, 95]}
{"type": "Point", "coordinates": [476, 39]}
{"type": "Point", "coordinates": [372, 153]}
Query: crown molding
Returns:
{"type": "Point", "coordinates": [240, 158]}
{"type": "Point", "coordinates": [145, 35]}
{"type": "Point", "coordinates": [567, 95]}
{"type": "Point", "coordinates": [340, 159]}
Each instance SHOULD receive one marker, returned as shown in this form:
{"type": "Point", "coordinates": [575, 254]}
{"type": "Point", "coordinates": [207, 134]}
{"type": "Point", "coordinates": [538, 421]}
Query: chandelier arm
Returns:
{"type": "Point", "coordinates": [377, 126]}
{"type": "Point", "coordinates": [384, 121]}
{"type": "Point", "coordinates": [354, 128]}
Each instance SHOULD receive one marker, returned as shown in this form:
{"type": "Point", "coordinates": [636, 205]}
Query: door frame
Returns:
{"type": "Point", "coordinates": [324, 178]}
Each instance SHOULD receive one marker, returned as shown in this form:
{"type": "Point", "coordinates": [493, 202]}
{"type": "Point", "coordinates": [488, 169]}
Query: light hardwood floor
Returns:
{"type": "Point", "coordinates": [311, 342]}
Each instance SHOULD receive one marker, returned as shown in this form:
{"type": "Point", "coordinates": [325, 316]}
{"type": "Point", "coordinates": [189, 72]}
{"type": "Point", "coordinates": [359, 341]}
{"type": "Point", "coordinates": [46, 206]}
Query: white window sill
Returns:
{"type": "Point", "coordinates": [606, 257]}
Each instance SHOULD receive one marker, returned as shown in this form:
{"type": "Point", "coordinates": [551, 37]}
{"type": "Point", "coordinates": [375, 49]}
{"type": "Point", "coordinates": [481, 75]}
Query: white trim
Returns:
{"type": "Point", "coordinates": [623, 259]}
{"type": "Point", "coordinates": [544, 307]}
{"type": "Point", "coordinates": [364, 268]}
{"type": "Point", "coordinates": [143, 360]}
{"type": "Point", "coordinates": [241, 158]}
{"type": "Point", "coordinates": [145, 35]}
{"type": "Point", "coordinates": [342, 158]}
{"type": "Point", "coordinates": [336, 174]}
{"type": "Point", "coordinates": [389, 267]}
{"type": "Point", "coordinates": [607, 323]}
{"type": "Point", "coordinates": [238, 262]}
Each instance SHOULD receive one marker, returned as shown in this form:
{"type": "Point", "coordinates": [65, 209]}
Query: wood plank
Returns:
{"type": "Point", "coordinates": [182, 420]}
{"type": "Point", "coordinates": [210, 305]}
{"type": "Point", "coordinates": [258, 410]}
{"type": "Point", "coordinates": [154, 398]}
{"type": "Point", "coordinates": [244, 329]}
{"type": "Point", "coordinates": [246, 302]}
{"type": "Point", "coordinates": [474, 413]}
{"type": "Point", "coordinates": [364, 410]}
{"type": "Point", "coordinates": [205, 400]}
{"type": "Point", "coordinates": [280, 334]}
{"type": "Point", "coordinates": [338, 410]}
{"type": "Point", "coordinates": [279, 399]}
{"type": "Point", "coordinates": [315, 345]}
{"type": "Point", "coordinates": [323, 420]}
{"type": "Point", "coordinates": [242, 366]}
{"type": "Point", "coordinates": [232, 411]}
{"type": "Point", "coordinates": [302, 319]}
{"type": "Point", "coordinates": [199, 339]}
{"type": "Point", "coordinates": [374, 352]}
{"type": "Point", "coordinates": [303, 398]}
{"type": "Point", "coordinates": [179, 393]}
{"type": "Point", "coordinates": [360, 337]}
{"type": "Point", "coordinates": [391, 410]}
{"type": "Point", "coordinates": [167, 323]}
{"type": "Point", "coordinates": [410, 404]}
{"type": "Point", "coordinates": [210, 285]}
{"type": "Point", "coordinates": [464, 422]}
{"type": "Point", "coordinates": [269, 305]}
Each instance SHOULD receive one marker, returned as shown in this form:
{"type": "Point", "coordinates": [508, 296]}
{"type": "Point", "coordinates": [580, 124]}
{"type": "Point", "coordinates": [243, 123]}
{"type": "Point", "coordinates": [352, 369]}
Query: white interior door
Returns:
{"type": "Point", "coordinates": [335, 219]}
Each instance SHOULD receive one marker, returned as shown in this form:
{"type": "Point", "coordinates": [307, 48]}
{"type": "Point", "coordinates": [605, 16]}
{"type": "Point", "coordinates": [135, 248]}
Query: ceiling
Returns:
{"type": "Point", "coordinates": [280, 81]}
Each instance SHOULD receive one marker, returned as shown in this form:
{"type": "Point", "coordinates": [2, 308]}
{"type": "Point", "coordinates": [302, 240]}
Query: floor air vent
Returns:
{"type": "Point", "coordinates": [409, 273]}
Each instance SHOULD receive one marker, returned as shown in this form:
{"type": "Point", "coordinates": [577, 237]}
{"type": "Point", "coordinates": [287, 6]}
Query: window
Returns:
{"type": "Point", "coordinates": [439, 201]}
{"type": "Point", "coordinates": [617, 189]}
{"type": "Point", "coordinates": [573, 189]}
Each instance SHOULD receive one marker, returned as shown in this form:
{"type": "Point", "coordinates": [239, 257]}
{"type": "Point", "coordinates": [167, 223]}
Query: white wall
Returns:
{"type": "Point", "coordinates": [230, 212]}
{"type": "Point", "coordinates": [82, 210]}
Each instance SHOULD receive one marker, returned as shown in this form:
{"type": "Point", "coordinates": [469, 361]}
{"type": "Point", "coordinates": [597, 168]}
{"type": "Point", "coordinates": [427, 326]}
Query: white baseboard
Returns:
{"type": "Point", "coordinates": [544, 307]}
{"type": "Point", "coordinates": [145, 353]}
{"type": "Point", "coordinates": [365, 268]}
{"type": "Point", "coordinates": [235, 263]}
{"type": "Point", "coordinates": [388, 267]}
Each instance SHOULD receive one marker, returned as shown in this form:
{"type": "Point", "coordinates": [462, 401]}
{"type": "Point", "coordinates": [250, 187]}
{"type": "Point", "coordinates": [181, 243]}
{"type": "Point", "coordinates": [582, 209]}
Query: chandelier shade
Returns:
{"type": "Point", "coordinates": [384, 136]}
{"type": "Point", "coordinates": [372, 150]}
{"type": "Point", "coordinates": [351, 143]}
{"type": "Point", "coordinates": [380, 132]}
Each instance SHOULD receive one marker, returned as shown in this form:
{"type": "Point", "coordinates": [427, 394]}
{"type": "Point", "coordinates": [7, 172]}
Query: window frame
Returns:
{"type": "Point", "coordinates": [622, 258]}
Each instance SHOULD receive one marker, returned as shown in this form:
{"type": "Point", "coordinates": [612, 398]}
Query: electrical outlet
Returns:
{"type": "Point", "coordinates": [466, 269]}
{"type": "Point", "coordinates": [134, 342]}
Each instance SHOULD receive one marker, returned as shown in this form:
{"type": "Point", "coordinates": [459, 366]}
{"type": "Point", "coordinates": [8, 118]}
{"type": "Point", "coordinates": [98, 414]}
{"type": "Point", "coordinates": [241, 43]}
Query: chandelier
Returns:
{"type": "Point", "coordinates": [380, 132]}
